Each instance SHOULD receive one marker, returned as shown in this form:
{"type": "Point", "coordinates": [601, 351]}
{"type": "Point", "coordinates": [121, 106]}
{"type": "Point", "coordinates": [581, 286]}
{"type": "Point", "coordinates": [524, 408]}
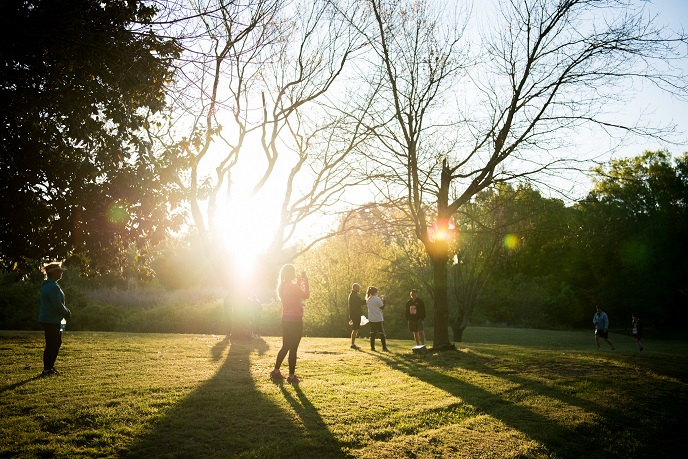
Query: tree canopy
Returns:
{"type": "Point", "coordinates": [637, 226]}
{"type": "Point", "coordinates": [296, 104]}
{"type": "Point", "coordinates": [79, 81]}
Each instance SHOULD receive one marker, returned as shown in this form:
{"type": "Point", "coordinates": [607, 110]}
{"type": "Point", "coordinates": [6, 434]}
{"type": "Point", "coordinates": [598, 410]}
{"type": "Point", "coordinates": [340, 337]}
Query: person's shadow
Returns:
{"type": "Point", "coordinates": [227, 416]}
{"type": "Point", "coordinates": [19, 384]}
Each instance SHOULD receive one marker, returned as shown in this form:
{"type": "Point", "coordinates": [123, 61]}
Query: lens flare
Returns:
{"type": "Point", "coordinates": [117, 213]}
{"type": "Point", "coordinates": [442, 230]}
{"type": "Point", "coordinates": [511, 242]}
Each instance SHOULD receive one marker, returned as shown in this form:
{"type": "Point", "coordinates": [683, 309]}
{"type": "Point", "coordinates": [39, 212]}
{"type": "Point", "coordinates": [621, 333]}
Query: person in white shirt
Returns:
{"type": "Point", "coordinates": [375, 305]}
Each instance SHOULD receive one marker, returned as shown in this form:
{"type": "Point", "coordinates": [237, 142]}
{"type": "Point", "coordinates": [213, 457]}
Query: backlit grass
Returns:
{"type": "Point", "coordinates": [503, 393]}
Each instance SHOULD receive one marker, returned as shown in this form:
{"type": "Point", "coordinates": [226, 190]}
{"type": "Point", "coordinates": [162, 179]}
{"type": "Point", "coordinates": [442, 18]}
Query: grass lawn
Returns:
{"type": "Point", "coordinates": [504, 393]}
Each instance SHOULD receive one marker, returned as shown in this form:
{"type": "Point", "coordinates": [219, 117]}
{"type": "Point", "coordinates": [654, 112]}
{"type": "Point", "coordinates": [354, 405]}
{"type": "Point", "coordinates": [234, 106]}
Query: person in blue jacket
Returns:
{"type": "Point", "coordinates": [52, 311]}
{"type": "Point", "coordinates": [601, 322]}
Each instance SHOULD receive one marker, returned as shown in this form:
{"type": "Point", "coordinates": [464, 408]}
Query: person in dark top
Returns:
{"type": "Point", "coordinates": [52, 311]}
{"type": "Point", "coordinates": [355, 312]}
{"type": "Point", "coordinates": [415, 314]}
{"type": "Point", "coordinates": [637, 331]}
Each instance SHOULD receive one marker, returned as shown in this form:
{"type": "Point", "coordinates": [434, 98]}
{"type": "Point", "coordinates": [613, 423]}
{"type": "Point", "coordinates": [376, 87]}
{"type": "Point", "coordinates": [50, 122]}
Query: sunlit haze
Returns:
{"type": "Point", "coordinates": [247, 225]}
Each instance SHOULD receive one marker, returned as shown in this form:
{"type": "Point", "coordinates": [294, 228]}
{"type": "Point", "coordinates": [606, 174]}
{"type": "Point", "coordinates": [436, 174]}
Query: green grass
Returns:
{"type": "Point", "coordinates": [504, 393]}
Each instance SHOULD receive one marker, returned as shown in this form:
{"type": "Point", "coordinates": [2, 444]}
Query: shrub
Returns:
{"type": "Point", "coordinates": [19, 303]}
{"type": "Point", "coordinates": [207, 317]}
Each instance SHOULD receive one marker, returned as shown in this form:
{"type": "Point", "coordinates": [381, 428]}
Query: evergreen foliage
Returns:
{"type": "Point", "coordinates": [79, 80]}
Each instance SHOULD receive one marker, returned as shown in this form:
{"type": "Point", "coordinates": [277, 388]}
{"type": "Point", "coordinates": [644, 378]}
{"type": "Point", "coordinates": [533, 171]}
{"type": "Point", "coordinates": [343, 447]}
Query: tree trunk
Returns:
{"type": "Point", "coordinates": [459, 325]}
{"type": "Point", "coordinates": [457, 331]}
{"type": "Point", "coordinates": [441, 309]}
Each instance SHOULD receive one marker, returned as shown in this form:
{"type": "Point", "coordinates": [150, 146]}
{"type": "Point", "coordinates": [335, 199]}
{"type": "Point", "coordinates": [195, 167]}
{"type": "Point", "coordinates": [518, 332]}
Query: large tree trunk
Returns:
{"type": "Point", "coordinates": [439, 254]}
{"type": "Point", "coordinates": [441, 309]}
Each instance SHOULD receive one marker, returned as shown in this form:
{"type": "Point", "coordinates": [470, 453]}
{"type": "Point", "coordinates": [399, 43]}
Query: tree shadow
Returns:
{"type": "Point", "coordinates": [227, 416]}
{"type": "Point", "coordinates": [559, 440]}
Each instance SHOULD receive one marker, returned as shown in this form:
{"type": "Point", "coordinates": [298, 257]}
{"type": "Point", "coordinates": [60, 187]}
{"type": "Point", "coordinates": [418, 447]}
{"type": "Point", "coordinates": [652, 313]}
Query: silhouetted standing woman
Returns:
{"type": "Point", "coordinates": [52, 311]}
{"type": "Point", "coordinates": [292, 291]}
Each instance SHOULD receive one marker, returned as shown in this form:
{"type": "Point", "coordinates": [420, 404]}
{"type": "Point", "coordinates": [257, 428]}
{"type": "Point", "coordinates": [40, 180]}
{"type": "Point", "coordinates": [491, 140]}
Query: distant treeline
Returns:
{"type": "Point", "coordinates": [526, 260]}
{"type": "Point", "coordinates": [521, 259]}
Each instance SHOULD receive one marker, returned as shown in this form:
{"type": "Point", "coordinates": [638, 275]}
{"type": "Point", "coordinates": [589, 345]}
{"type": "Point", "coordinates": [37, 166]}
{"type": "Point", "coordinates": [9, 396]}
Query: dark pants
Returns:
{"type": "Point", "coordinates": [291, 337]}
{"type": "Point", "coordinates": [53, 342]}
{"type": "Point", "coordinates": [377, 329]}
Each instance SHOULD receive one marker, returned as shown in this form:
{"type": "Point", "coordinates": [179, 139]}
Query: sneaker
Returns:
{"type": "Point", "coordinates": [276, 375]}
{"type": "Point", "coordinates": [54, 371]}
{"type": "Point", "coordinates": [373, 349]}
{"type": "Point", "coordinates": [293, 379]}
{"type": "Point", "coordinates": [384, 349]}
{"type": "Point", "coordinates": [46, 373]}
{"type": "Point", "coordinates": [353, 346]}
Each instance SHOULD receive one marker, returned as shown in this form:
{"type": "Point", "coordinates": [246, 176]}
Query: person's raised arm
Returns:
{"type": "Point", "coordinates": [306, 292]}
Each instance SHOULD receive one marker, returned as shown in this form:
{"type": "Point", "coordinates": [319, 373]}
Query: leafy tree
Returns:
{"type": "Point", "coordinates": [636, 223]}
{"type": "Point", "coordinates": [79, 80]}
{"type": "Point", "coordinates": [512, 252]}
{"type": "Point", "coordinates": [332, 267]}
{"type": "Point", "coordinates": [369, 257]}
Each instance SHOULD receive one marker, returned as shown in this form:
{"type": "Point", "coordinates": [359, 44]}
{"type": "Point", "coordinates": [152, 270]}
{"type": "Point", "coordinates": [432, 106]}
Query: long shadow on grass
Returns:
{"type": "Point", "coordinates": [18, 384]}
{"type": "Point", "coordinates": [227, 416]}
{"type": "Point", "coordinates": [563, 441]}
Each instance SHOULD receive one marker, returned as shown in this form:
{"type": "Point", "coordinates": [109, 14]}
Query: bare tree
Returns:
{"type": "Point", "coordinates": [251, 90]}
{"type": "Point", "coordinates": [543, 70]}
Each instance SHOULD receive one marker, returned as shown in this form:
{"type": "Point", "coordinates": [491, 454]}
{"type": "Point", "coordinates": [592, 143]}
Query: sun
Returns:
{"type": "Point", "coordinates": [247, 226]}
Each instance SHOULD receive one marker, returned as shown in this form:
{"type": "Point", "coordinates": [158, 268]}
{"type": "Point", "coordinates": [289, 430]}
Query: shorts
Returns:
{"type": "Point", "coordinates": [376, 327]}
{"type": "Point", "coordinates": [415, 326]}
{"type": "Point", "coordinates": [601, 333]}
{"type": "Point", "coordinates": [356, 323]}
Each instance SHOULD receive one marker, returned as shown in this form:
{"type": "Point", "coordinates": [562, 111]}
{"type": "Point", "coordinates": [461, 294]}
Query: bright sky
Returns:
{"type": "Point", "coordinates": [258, 218]}
{"type": "Point", "coordinates": [647, 105]}
{"type": "Point", "coordinates": [673, 14]}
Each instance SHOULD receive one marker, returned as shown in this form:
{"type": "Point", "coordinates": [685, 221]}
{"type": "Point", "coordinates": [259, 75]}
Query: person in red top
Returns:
{"type": "Point", "coordinates": [292, 291]}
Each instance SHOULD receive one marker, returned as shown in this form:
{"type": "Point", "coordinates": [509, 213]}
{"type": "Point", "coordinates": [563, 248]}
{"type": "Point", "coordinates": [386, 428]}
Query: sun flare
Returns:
{"type": "Point", "coordinates": [247, 227]}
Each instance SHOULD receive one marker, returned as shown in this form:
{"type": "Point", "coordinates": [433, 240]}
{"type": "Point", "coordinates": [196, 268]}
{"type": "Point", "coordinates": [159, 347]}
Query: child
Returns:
{"type": "Point", "coordinates": [637, 330]}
